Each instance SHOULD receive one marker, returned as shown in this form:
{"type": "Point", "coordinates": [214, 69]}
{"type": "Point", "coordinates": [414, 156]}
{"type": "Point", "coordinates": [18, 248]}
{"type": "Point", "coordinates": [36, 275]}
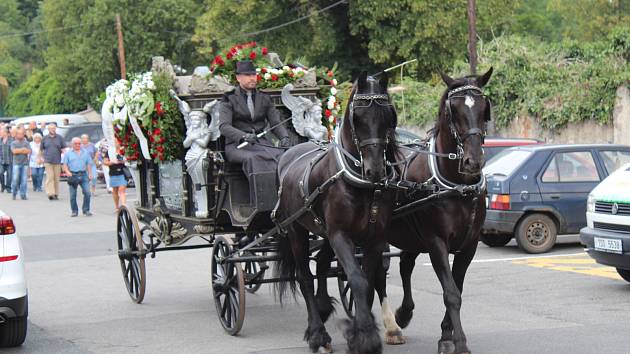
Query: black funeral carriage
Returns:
{"type": "Point", "coordinates": [163, 219]}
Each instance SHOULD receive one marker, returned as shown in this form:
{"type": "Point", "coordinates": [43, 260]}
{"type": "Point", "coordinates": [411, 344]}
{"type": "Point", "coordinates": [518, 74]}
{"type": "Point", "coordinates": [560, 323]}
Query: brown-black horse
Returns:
{"type": "Point", "coordinates": [354, 208]}
{"type": "Point", "coordinates": [453, 224]}
{"type": "Point", "coordinates": [446, 225]}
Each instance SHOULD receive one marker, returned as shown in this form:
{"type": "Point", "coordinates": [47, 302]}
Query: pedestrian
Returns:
{"type": "Point", "coordinates": [21, 149]}
{"type": "Point", "coordinates": [102, 150]}
{"type": "Point", "coordinates": [77, 166]}
{"type": "Point", "coordinates": [33, 127]}
{"type": "Point", "coordinates": [116, 179]}
{"type": "Point", "coordinates": [91, 149]}
{"type": "Point", "coordinates": [6, 159]}
{"type": "Point", "coordinates": [52, 145]}
{"type": "Point", "coordinates": [13, 132]}
{"type": "Point", "coordinates": [36, 162]}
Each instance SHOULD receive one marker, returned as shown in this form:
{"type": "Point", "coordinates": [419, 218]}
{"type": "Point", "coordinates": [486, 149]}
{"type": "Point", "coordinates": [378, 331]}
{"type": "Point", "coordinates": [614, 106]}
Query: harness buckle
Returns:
{"type": "Point", "coordinates": [452, 156]}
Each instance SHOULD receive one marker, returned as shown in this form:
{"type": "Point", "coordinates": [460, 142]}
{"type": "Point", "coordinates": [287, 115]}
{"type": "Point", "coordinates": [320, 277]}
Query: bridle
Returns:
{"type": "Point", "coordinates": [371, 98]}
{"type": "Point", "coordinates": [461, 92]}
{"type": "Point", "coordinates": [361, 101]}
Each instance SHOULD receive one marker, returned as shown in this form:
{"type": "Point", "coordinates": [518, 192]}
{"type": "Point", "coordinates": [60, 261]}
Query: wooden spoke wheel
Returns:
{"type": "Point", "coordinates": [345, 294]}
{"type": "Point", "coordinates": [228, 286]}
{"type": "Point", "coordinates": [251, 270]}
{"type": "Point", "coordinates": [131, 253]}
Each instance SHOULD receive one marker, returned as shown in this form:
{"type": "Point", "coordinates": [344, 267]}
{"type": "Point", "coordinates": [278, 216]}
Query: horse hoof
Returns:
{"type": "Point", "coordinates": [394, 338]}
{"type": "Point", "coordinates": [326, 349]}
{"type": "Point", "coordinates": [446, 347]}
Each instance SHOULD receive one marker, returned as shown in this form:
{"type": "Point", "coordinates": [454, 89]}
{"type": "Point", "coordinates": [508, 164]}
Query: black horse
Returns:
{"type": "Point", "coordinates": [447, 225]}
{"type": "Point", "coordinates": [453, 224]}
{"type": "Point", "coordinates": [349, 205]}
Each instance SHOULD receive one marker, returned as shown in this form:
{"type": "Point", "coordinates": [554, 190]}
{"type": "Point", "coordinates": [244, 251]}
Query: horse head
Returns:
{"type": "Point", "coordinates": [370, 123]}
{"type": "Point", "coordinates": [464, 111]}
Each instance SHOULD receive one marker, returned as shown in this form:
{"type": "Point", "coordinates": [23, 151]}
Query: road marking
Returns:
{"type": "Point", "coordinates": [582, 265]}
{"type": "Point", "coordinates": [510, 259]}
{"type": "Point", "coordinates": [575, 262]}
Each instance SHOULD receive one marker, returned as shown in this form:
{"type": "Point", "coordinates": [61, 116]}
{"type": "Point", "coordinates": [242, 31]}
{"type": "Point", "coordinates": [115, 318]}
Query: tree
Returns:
{"type": "Point", "coordinates": [83, 56]}
{"type": "Point", "coordinates": [39, 94]}
{"type": "Point", "coordinates": [321, 39]}
{"type": "Point", "coordinates": [433, 31]}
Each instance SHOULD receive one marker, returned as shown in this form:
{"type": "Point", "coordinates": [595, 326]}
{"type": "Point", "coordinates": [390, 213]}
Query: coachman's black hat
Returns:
{"type": "Point", "coordinates": [245, 67]}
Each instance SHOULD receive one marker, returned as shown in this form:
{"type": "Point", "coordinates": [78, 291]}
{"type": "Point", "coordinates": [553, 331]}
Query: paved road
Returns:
{"type": "Point", "coordinates": [513, 303]}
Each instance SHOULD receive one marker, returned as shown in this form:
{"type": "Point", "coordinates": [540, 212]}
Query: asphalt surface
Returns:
{"type": "Point", "coordinates": [561, 302]}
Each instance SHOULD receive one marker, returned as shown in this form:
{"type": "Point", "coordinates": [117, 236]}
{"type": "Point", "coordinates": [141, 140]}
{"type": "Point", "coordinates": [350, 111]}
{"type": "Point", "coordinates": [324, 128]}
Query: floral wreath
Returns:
{"type": "Point", "coordinates": [157, 114]}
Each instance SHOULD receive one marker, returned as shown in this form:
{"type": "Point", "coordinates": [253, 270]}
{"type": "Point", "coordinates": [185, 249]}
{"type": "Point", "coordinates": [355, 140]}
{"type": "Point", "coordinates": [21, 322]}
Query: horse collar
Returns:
{"type": "Point", "coordinates": [444, 183]}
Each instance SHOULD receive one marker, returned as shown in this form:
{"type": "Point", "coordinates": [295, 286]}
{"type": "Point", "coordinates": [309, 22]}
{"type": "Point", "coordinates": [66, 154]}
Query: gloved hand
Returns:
{"type": "Point", "coordinates": [250, 138]}
{"type": "Point", "coordinates": [285, 142]}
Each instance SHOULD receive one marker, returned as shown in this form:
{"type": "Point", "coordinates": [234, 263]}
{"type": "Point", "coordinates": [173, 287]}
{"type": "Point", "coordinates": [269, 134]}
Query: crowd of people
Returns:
{"type": "Point", "coordinates": [27, 153]}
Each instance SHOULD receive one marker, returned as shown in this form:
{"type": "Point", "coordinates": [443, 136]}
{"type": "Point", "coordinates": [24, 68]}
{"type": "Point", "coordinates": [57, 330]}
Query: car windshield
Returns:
{"type": "Point", "coordinates": [506, 162]}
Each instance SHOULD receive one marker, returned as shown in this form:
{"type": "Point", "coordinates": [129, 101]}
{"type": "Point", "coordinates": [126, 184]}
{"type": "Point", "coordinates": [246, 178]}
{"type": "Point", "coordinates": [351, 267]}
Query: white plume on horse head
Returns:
{"type": "Point", "coordinates": [306, 115]}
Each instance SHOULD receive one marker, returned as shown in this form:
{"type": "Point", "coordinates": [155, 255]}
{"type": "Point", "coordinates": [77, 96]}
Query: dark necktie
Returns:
{"type": "Point", "coordinates": [250, 104]}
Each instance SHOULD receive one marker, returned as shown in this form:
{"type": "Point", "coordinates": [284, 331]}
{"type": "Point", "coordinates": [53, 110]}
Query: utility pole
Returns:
{"type": "Point", "coordinates": [472, 36]}
{"type": "Point", "coordinates": [121, 49]}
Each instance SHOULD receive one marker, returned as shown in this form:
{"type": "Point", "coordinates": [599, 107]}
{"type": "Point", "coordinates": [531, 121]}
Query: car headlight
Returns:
{"type": "Point", "coordinates": [590, 204]}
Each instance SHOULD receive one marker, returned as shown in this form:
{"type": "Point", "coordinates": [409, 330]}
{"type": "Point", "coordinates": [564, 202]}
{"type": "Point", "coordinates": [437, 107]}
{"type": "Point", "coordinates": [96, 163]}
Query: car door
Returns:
{"type": "Point", "coordinates": [565, 183]}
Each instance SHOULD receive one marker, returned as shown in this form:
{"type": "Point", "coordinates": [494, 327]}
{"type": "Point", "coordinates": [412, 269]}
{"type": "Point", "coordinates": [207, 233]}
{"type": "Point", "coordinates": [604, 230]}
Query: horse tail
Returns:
{"type": "Point", "coordinates": [285, 269]}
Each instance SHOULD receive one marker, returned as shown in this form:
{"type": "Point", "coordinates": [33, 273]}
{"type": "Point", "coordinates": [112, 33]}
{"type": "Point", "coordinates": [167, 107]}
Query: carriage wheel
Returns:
{"type": "Point", "coordinates": [345, 294]}
{"type": "Point", "coordinates": [130, 253]}
{"type": "Point", "coordinates": [228, 286]}
{"type": "Point", "coordinates": [252, 268]}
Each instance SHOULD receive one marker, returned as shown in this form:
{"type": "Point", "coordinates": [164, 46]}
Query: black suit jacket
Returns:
{"type": "Point", "coordinates": [236, 121]}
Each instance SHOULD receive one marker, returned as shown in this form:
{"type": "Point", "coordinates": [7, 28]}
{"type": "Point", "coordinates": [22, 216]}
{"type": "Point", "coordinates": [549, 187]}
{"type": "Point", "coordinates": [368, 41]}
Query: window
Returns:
{"type": "Point", "coordinates": [613, 159]}
{"type": "Point", "coordinates": [571, 167]}
{"type": "Point", "coordinates": [506, 162]}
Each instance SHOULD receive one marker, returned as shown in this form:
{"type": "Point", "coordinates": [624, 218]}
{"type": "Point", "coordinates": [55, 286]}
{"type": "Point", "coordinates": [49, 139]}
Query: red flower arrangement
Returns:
{"type": "Point", "coordinates": [245, 51]}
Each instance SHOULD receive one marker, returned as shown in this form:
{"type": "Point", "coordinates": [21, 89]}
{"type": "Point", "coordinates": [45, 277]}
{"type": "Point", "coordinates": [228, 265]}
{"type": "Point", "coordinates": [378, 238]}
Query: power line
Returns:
{"type": "Point", "coordinates": [41, 31]}
{"type": "Point", "coordinates": [297, 19]}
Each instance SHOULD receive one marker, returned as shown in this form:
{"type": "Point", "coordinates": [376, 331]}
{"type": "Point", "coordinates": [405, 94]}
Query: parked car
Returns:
{"type": "Point", "coordinates": [606, 237]}
{"type": "Point", "coordinates": [59, 119]}
{"type": "Point", "coordinates": [494, 145]}
{"type": "Point", "coordinates": [93, 130]}
{"type": "Point", "coordinates": [13, 292]}
{"type": "Point", "coordinates": [539, 191]}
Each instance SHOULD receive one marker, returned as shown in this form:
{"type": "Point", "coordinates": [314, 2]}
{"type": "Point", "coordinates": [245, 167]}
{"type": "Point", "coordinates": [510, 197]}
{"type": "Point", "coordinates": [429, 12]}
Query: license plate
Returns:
{"type": "Point", "coordinates": [608, 245]}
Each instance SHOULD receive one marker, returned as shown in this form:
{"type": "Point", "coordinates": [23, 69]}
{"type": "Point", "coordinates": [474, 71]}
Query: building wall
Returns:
{"type": "Point", "coordinates": [586, 132]}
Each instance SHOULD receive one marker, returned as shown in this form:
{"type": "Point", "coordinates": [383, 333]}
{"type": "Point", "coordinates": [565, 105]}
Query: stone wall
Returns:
{"type": "Point", "coordinates": [586, 132]}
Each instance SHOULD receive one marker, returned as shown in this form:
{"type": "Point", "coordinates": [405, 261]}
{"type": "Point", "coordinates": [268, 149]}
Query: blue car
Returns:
{"type": "Point", "coordinates": [539, 191]}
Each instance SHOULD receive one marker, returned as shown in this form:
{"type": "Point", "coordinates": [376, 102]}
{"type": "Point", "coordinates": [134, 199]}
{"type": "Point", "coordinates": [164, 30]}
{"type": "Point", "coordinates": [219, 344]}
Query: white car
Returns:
{"type": "Point", "coordinates": [13, 292]}
{"type": "Point", "coordinates": [607, 234]}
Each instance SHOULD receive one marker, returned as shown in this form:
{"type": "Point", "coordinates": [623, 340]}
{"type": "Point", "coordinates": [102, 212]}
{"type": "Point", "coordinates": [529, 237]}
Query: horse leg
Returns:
{"type": "Point", "coordinates": [318, 339]}
{"type": "Point", "coordinates": [405, 312]}
{"type": "Point", "coordinates": [361, 333]}
{"type": "Point", "coordinates": [324, 301]}
{"type": "Point", "coordinates": [393, 333]}
{"type": "Point", "coordinates": [452, 298]}
{"type": "Point", "coordinates": [461, 262]}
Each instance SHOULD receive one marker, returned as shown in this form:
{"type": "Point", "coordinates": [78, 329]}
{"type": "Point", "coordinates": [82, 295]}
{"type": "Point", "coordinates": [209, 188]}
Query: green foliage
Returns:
{"type": "Point", "coordinates": [13, 49]}
{"type": "Point", "coordinates": [85, 59]}
{"type": "Point", "coordinates": [322, 39]}
{"type": "Point", "coordinates": [40, 94]}
{"type": "Point", "coordinates": [557, 84]}
{"type": "Point", "coordinates": [433, 31]}
{"type": "Point", "coordinates": [417, 101]}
